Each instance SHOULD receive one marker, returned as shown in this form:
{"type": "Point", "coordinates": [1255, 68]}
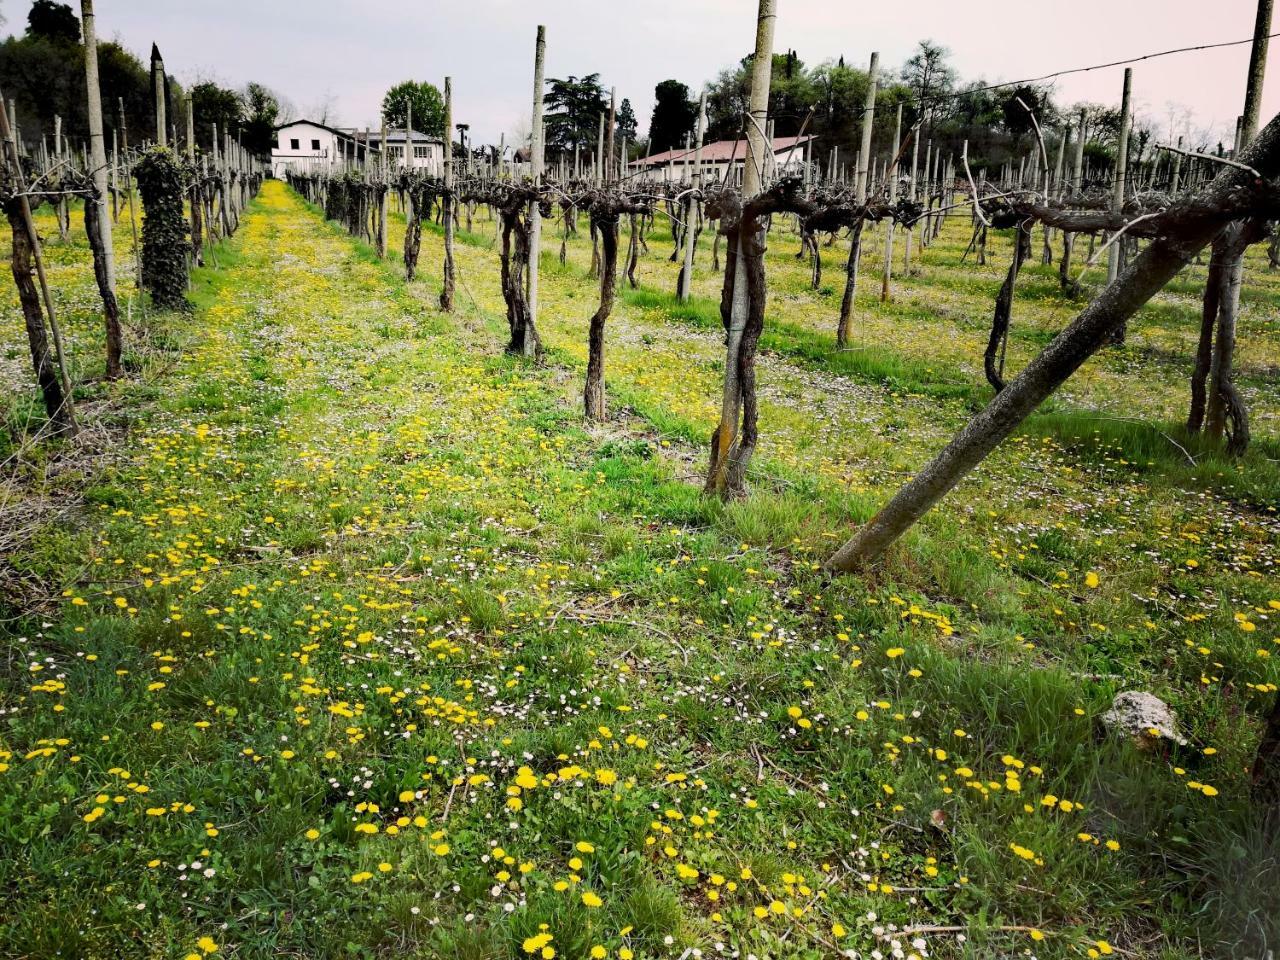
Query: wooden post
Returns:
{"type": "Point", "coordinates": [197, 192]}
{"type": "Point", "coordinates": [731, 405]}
{"type": "Point", "coordinates": [608, 142]}
{"type": "Point", "coordinates": [1224, 400]}
{"type": "Point", "coordinates": [384, 190]}
{"type": "Point", "coordinates": [868, 118]}
{"type": "Point", "coordinates": [891, 175]}
{"type": "Point", "coordinates": [128, 186]}
{"type": "Point", "coordinates": [600, 154]}
{"type": "Point", "coordinates": [406, 151]}
{"type": "Point", "coordinates": [449, 212]}
{"type": "Point", "coordinates": [860, 195]}
{"type": "Point", "coordinates": [1257, 73]}
{"type": "Point", "coordinates": [530, 345]}
{"type": "Point", "coordinates": [158, 84]}
{"type": "Point", "coordinates": [915, 194]}
{"type": "Point", "coordinates": [686, 275]}
{"type": "Point", "coordinates": [104, 251]}
{"type": "Point", "coordinates": [115, 175]}
{"type": "Point", "coordinates": [1121, 170]}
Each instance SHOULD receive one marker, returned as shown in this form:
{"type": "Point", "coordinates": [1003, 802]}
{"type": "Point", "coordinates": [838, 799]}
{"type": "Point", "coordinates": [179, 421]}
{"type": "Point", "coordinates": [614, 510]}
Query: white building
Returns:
{"type": "Point", "coordinates": [303, 145]}
{"type": "Point", "coordinates": [724, 158]}
{"type": "Point", "coordinates": [306, 145]}
{"type": "Point", "coordinates": [428, 151]}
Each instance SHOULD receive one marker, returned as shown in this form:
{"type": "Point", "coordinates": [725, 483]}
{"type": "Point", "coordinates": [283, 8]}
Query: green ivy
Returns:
{"type": "Point", "coordinates": [162, 183]}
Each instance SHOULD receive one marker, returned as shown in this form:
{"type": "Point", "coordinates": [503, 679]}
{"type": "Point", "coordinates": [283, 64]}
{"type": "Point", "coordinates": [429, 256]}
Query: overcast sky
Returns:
{"type": "Point", "coordinates": [349, 52]}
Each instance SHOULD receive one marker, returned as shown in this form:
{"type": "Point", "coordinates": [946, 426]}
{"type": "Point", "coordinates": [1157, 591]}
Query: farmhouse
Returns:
{"type": "Point", "coordinates": [723, 158]}
{"type": "Point", "coordinates": [302, 144]}
{"type": "Point", "coordinates": [427, 154]}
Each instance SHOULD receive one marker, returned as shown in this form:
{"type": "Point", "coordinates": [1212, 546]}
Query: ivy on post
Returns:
{"type": "Point", "coordinates": [164, 228]}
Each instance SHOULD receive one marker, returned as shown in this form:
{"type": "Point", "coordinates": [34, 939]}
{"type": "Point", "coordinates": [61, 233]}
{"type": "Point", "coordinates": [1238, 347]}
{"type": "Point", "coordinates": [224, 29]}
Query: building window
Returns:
{"type": "Point", "coordinates": [395, 152]}
{"type": "Point", "coordinates": [421, 152]}
{"type": "Point", "coordinates": [293, 144]}
{"type": "Point", "coordinates": [315, 144]}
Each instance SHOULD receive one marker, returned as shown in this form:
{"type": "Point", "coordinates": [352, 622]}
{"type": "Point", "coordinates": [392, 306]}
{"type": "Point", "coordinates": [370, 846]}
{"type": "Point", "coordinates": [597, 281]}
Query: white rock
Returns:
{"type": "Point", "coordinates": [1143, 716]}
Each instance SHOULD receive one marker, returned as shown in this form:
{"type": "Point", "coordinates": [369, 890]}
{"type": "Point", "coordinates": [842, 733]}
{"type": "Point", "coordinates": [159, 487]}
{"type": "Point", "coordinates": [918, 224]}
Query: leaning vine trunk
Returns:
{"type": "Point", "coordinates": [633, 253]}
{"type": "Point", "coordinates": [850, 284]}
{"type": "Point", "coordinates": [412, 233]}
{"type": "Point", "coordinates": [1065, 281]}
{"type": "Point", "coordinates": [47, 378]}
{"type": "Point", "coordinates": [524, 340]}
{"type": "Point", "coordinates": [1204, 348]}
{"type": "Point", "coordinates": [110, 307]}
{"type": "Point", "coordinates": [745, 444]}
{"type": "Point", "coordinates": [1201, 219]}
{"type": "Point", "coordinates": [1226, 411]}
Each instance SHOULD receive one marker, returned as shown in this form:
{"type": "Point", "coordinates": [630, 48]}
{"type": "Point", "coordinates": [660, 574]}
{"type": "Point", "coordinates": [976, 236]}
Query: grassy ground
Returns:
{"type": "Point", "coordinates": [361, 643]}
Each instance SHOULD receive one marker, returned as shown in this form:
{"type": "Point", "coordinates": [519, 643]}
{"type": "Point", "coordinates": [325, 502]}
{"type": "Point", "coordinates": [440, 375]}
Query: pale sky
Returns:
{"type": "Point", "coordinates": [350, 52]}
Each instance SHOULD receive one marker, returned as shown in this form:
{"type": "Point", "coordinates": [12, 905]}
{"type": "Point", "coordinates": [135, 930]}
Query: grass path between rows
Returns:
{"type": "Point", "coordinates": [368, 647]}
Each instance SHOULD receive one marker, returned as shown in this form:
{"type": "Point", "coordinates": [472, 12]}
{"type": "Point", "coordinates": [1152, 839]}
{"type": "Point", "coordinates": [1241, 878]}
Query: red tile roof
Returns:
{"type": "Point", "coordinates": [720, 151]}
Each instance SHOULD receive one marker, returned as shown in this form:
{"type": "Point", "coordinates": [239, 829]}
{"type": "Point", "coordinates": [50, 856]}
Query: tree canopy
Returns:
{"type": "Point", "coordinates": [427, 104]}
{"type": "Point", "coordinates": [674, 116]}
{"type": "Point", "coordinates": [927, 85]}
{"type": "Point", "coordinates": [212, 104]}
{"type": "Point", "coordinates": [573, 109]}
{"type": "Point", "coordinates": [53, 21]}
{"type": "Point", "coordinates": [261, 113]}
{"type": "Point", "coordinates": [626, 121]}
{"type": "Point", "coordinates": [43, 72]}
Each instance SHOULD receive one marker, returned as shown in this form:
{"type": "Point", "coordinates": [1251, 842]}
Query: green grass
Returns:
{"type": "Point", "coordinates": [349, 552]}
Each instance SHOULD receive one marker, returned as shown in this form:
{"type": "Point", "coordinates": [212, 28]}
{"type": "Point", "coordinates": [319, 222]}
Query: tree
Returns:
{"type": "Point", "coordinates": [45, 77]}
{"type": "Point", "coordinates": [626, 122]}
{"type": "Point", "coordinates": [727, 101]}
{"type": "Point", "coordinates": [674, 116]}
{"type": "Point", "coordinates": [261, 112]}
{"type": "Point", "coordinates": [1100, 122]}
{"type": "Point", "coordinates": [839, 91]}
{"type": "Point", "coordinates": [427, 104]}
{"type": "Point", "coordinates": [929, 76]}
{"type": "Point", "coordinates": [53, 21]}
{"type": "Point", "coordinates": [323, 109]}
{"type": "Point", "coordinates": [792, 93]}
{"type": "Point", "coordinates": [573, 113]}
{"type": "Point", "coordinates": [214, 104]}
{"type": "Point", "coordinates": [1014, 114]}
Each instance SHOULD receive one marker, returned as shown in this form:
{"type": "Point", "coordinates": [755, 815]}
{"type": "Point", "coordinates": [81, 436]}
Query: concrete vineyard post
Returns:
{"type": "Point", "coordinates": [448, 213]}
{"type": "Point", "coordinates": [1121, 170]}
{"type": "Point", "coordinates": [686, 275]}
{"type": "Point", "coordinates": [861, 164]}
{"type": "Point", "coordinates": [535, 212]}
{"type": "Point", "coordinates": [96, 207]}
